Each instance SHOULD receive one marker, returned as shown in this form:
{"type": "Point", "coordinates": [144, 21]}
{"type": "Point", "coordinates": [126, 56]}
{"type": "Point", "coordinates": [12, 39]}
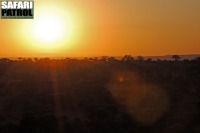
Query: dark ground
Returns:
{"type": "Point", "coordinates": [99, 96]}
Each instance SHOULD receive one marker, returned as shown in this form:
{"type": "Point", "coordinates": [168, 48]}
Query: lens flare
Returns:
{"type": "Point", "coordinates": [146, 103]}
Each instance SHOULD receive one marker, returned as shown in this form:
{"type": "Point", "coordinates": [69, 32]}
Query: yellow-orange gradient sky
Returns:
{"type": "Point", "coordinates": [104, 27]}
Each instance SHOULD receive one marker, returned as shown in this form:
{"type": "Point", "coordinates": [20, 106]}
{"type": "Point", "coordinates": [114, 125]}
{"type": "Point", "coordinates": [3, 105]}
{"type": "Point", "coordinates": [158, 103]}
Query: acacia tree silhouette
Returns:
{"type": "Point", "coordinates": [140, 58]}
{"type": "Point", "coordinates": [176, 57]}
{"type": "Point", "coordinates": [127, 58]}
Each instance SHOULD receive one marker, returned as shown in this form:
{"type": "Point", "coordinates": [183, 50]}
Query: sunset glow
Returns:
{"type": "Point", "coordinates": [112, 28]}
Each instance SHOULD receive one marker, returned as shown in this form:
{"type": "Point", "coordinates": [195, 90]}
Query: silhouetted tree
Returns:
{"type": "Point", "coordinates": [127, 58]}
{"type": "Point", "coordinates": [20, 58]}
{"type": "Point", "coordinates": [176, 57]}
{"type": "Point", "coordinates": [36, 59]}
{"type": "Point", "coordinates": [6, 60]}
{"type": "Point", "coordinates": [112, 59]}
{"type": "Point", "coordinates": [149, 60]}
{"type": "Point", "coordinates": [158, 60]}
{"type": "Point", "coordinates": [104, 58]}
{"type": "Point", "coordinates": [140, 58]}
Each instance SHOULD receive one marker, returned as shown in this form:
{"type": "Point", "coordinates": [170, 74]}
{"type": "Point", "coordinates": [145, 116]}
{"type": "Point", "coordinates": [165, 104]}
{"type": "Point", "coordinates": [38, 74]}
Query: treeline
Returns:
{"type": "Point", "coordinates": [127, 58]}
{"type": "Point", "coordinates": [99, 95]}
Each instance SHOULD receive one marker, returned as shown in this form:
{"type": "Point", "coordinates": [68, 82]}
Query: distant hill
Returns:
{"type": "Point", "coordinates": [169, 57]}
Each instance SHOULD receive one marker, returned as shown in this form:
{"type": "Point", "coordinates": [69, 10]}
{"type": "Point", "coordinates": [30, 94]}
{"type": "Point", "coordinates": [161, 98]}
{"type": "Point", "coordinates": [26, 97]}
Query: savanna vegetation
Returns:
{"type": "Point", "coordinates": [99, 95]}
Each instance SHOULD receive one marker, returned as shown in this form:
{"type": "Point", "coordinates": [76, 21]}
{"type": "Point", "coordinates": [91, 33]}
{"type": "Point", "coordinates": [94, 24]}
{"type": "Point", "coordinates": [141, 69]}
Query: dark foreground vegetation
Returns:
{"type": "Point", "coordinates": [99, 95]}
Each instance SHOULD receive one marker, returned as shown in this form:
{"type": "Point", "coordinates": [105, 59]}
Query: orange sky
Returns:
{"type": "Point", "coordinates": [111, 27]}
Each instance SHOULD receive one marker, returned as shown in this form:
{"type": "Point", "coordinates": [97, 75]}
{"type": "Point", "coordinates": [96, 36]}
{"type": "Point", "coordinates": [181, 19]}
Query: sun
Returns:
{"type": "Point", "coordinates": [51, 30]}
{"type": "Point", "coordinates": [48, 29]}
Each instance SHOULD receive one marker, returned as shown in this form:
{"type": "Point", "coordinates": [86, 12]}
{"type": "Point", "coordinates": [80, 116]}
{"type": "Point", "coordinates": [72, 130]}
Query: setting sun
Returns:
{"type": "Point", "coordinates": [51, 30]}
{"type": "Point", "coordinates": [48, 29]}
